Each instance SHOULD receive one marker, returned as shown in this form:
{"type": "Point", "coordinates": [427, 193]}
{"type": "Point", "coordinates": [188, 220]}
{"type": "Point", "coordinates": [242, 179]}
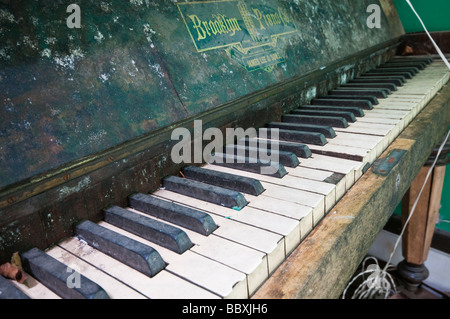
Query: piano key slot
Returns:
{"type": "Point", "coordinates": [333, 121]}
{"type": "Point", "coordinates": [412, 70]}
{"type": "Point", "coordinates": [356, 111]}
{"type": "Point", "coordinates": [380, 81]}
{"type": "Point", "coordinates": [349, 116]}
{"type": "Point", "coordinates": [378, 93]}
{"type": "Point", "coordinates": [301, 150]}
{"type": "Point", "coordinates": [326, 131]}
{"type": "Point", "coordinates": [400, 79]}
{"type": "Point", "coordinates": [59, 278]}
{"type": "Point", "coordinates": [371, 98]}
{"type": "Point", "coordinates": [364, 104]}
{"type": "Point", "coordinates": [411, 59]}
{"type": "Point", "coordinates": [384, 72]}
{"type": "Point", "coordinates": [155, 231]}
{"type": "Point", "coordinates": [210, 193]}
{"type": "Point", "coordinates": [288, 159]}
{"type": "Point", "coordinates": [130, 252]}
{"type": "Point", "coordinates": [396, 64]}
{"type": "Point", "coordinates": [248, 164]}
{"type": "Point", "coordinates": [387, 86]}
{"type": "Point", "coordinates": [189, 218]}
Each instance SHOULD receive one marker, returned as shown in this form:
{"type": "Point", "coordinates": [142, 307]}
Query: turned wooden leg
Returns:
{"type": "Point", "coordinates": [419, 232]}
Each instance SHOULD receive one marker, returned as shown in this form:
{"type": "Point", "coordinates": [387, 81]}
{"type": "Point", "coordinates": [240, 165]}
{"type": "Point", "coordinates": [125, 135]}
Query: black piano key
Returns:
{"type": "Point", "coordinates": [356, 111]}
{"type": "Point", "coordinates": [412, 70]}
{"type": "Point", "coordinates": [135, 254]}
{"type": "Point", "coordinates": [364, 104]}
{"type": "Point", "coordinates": [314, 138]}
{"type": "Point", "coordinates": [327, 131]}
{"type": "Point", "coordinates": [206, 192]}
{"type": "Point", "coordinates": [231, 181]}
{"type": "Point", "coordinates": [334, 179]}
{"type": "Point", "coordinates": [285, 158]}
{"type": "Point", "coordinates": [165, 235]}
{"type": "Point", "coordinates": [301, 150]}
{"type": "Point", "coordinates": [400, 79]}
{"type": "Point", "coordinates": [407, 75]}
{"type": "Point", "coordinates": [371, 98]}
{"type": "Point", "coordinates": [380, 81]}
{"type": "Point", "coordinates": [390, 87]}
{"type": "Point", "coordinates": [59, 278]}
{"type": "Point", "coordinates": [412, 59]}
{"type": "Point", "coordinates": [9, 291]}
{"type": "Point", "coordinates": [395, 64]}
{"type": "Point", "coordinates": [248, 164]}
{"type": "Point", "coordinates": [379, 93]}
{"type": "Point", "coordinates": [349, 116]}
{"type": "Point", "coordinates": [316, 120]}
{"type": "Point", "coordinates": [180, 215]}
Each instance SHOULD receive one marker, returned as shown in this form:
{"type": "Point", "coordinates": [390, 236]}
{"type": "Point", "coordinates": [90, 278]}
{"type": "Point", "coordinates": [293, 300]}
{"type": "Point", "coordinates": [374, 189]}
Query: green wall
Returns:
{"type": "Point", "coordinates": [435, 16]}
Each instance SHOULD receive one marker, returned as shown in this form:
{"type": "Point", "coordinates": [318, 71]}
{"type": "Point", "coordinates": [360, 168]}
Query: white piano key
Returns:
{"type": "Point", "coordinates": [287, 227]}
{"type": "Point", "coordinates": [155, 287]}
{"type": "Point", "coordinates": [282, 198]}
{"type": "Point", "coordinates": [320, 175]}
{"type": "Point", "coordinates": [35, 290]}
{"type": "Point", "coordinates": [326, 192]}
{"type": "Point", "coordinates": [267, 242]}
{"type": "Point", "coordinates": [114, 288]}
{"type": "Point", "coordinates": [372, 143]}
{"type": "Point", "coordinates": [344, 151]}
{"type": "Point", "coordinates": [200, 270]}
{"type": "Point", "coordinates": [352, 170]}
{"type": "Point", "coordinates": [249, 261]}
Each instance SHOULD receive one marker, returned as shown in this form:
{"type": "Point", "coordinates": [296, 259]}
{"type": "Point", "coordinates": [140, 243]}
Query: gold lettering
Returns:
{"type": "Point", "coordinates": [271, 19]}
{"type": "Point", "coordinates": [259, 16]}
{"type": "Point", "coordinates": [284, 17]}
{"type": "Point", "coordinates": [218, 25]}
{"type": "Point", "coordinates": [253, 62]}
{"type": "Point", "coordinates": [205, 24]}
{"type": "Point", "coordinates": [234, 25]}
{"type": "Point", "coordinates": [197, 26]}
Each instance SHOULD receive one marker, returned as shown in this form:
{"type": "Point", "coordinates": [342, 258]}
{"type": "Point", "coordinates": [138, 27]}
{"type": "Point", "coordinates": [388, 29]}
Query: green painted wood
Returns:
{"type": "Point", "coordinates": [133, 67]}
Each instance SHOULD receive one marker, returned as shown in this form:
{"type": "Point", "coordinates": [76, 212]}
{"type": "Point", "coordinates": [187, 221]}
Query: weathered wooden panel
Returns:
{"type": "Point", "coordinates": [136, 66]}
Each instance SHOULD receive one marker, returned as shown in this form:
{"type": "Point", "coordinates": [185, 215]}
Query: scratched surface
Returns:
{"type": "Point", "coordinates": [136, 66]}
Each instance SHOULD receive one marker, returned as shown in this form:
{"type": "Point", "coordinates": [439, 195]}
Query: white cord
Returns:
{"type": "Point", "coordinates": [429, 35]}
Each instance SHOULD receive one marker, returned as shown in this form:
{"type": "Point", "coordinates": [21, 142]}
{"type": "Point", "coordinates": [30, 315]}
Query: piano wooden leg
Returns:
{"type": "Point", "coordinates": [418, 234]}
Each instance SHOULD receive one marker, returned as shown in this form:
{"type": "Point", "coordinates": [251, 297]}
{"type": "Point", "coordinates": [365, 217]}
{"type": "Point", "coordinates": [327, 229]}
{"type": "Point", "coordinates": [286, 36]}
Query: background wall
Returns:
{"type": "Point", "coordinates": [434, 14]}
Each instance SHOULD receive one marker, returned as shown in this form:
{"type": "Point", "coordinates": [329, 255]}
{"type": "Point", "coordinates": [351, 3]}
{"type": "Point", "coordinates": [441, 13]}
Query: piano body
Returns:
{"type": "Point", "coordinates": [87, 121]}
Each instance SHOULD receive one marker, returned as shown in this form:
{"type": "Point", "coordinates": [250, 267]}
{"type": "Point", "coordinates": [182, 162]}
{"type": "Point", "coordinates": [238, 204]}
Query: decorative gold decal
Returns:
{"type": "Point", "coordinates": [248, 32]}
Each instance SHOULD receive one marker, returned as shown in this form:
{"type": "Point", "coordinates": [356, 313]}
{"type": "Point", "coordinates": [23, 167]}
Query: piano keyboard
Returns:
{"type": "Point", "coordinates": [222, 230]}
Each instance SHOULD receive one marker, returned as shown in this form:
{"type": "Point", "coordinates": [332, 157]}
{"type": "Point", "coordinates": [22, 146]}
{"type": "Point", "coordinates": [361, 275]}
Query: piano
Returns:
{"type": "Point", "coordinates": [92, 202]}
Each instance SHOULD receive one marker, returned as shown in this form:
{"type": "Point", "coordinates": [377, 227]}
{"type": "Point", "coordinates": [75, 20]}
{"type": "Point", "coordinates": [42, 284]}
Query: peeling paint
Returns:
{"type": "Point", "coordinates": [65, 191]}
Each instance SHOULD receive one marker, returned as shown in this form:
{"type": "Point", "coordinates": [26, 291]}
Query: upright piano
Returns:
{"type": "Point", "coordinates": [117, 179]}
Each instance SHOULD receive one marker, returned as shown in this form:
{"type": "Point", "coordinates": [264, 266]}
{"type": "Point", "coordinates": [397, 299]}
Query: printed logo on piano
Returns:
{"type": "Point", "coordinates": [249, 33]}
